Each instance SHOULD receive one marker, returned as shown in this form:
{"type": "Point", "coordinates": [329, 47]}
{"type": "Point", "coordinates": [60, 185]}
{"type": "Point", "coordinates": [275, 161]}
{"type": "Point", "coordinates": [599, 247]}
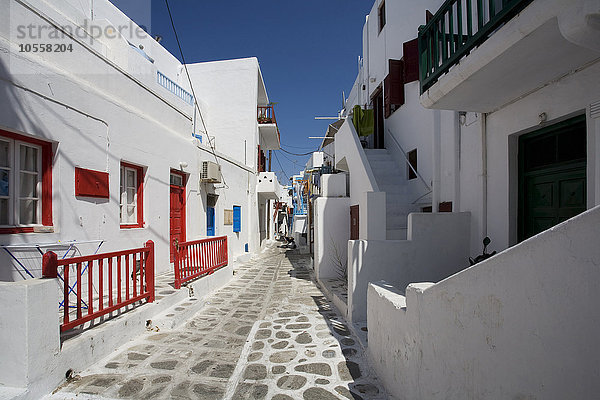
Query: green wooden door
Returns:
{"type": "Point", "coordinates": [552, 175]}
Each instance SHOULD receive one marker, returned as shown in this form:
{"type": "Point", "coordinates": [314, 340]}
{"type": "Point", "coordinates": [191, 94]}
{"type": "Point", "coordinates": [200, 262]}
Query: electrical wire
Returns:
{"type": "Point", "coordinates": [193, 92]}
{"type": "Point", "coordinates": [298, 147]}
{"type": "Point", "coordinates": [296, 163]}
{"type": "Point", "coordinates": [280, 166]}
{"type": "Point", "coordinates": [297, 154]}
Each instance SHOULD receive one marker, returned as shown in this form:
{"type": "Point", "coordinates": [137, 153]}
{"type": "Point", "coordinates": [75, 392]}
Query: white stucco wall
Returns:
{"type": "Point", "coordinates": [98, 111]}
{"type": "Point", "coordinates": [519, 325]}
{"type": "Point", "coordinates": [332, 232]}
{"type": "Point", "coordinates": [570, 96]}
{"type": "Point", "coordinates": [437, 247]}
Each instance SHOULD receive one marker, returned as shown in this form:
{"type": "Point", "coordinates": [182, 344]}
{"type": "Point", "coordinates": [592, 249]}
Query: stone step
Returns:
{"type": "Point", "coordinates": [383, 164]}
{"type": "Point", "coordinates": [377, 154]}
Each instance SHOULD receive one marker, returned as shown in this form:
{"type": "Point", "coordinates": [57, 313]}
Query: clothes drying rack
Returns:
{"type": "Point", "coordinates": [71, 251]}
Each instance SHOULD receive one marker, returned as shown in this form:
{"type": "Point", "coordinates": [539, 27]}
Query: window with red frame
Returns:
{"type": "Point", "coordinates": [25, 183]}
{"type": "Point", "coordinates": [131, 196]}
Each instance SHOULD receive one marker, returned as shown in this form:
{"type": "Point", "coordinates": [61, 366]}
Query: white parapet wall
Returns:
{"type": "Point", "coordinates": [437, 247]}
{"type": "Point", "coordinates": [520, 325]}
{"type": "Point", "coordinates": [332, 228]}
{"type": "Point", "coordinates": [29, 333]}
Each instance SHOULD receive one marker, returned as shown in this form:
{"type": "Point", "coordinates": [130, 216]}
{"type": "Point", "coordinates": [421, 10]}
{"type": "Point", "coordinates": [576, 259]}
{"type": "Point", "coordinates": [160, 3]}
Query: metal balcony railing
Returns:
{"type": "Point", "coordinates": [458, 27]}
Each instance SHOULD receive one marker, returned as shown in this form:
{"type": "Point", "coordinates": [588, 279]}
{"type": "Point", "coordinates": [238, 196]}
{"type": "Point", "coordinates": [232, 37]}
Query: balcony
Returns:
{"type": "Point", "coordinates": [267, 128]}
{"type": "Point", "coordinates": [268, 187]}
{"type": "Point", "coordinates": [479, 55]}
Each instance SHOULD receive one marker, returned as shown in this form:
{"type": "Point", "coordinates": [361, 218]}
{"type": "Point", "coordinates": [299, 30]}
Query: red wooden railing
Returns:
{"type": "Point", "coordinates": [199, 257]}
{"type": "Point", "coordinates": [111, 282]}
{"type": "Point", "coordinates": [266, 115]}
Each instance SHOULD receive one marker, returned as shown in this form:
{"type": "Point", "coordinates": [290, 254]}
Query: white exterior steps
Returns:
{"type": "Point", "coordinates": [390, 179]}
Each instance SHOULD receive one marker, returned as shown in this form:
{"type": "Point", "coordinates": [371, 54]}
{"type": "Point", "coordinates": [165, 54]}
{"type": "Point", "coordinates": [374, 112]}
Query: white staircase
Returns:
{"type": "Point", "coordinates": [391, 180]}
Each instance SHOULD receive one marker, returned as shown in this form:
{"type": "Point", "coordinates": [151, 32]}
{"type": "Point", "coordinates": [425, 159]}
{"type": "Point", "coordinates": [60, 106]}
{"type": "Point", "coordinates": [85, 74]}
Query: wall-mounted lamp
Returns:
{"type": "Point", "coordinates": [462, 117]}
{"type": "Point", "coordinates": [543, 117]}
{"type": "Point", "coordinates": [183, 165]}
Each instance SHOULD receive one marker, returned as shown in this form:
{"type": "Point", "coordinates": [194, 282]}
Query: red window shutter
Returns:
{"type": "Point", "coordinates": [387, 106]}
{"type": "Point", "coordinates": [411, 60]}
{"type": "Point", "coordinates": [428, 16]}
{"type": "Point", "coordinates": [89, 183]}
{"type": "Point", "coordinates": [396, 82]}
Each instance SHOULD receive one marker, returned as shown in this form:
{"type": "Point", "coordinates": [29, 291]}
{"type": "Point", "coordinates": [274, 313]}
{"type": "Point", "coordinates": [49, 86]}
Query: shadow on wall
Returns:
{"type": "Point", "coordinates": [30, 112]}
{"type": "Point", "coordinates": [437, 247]}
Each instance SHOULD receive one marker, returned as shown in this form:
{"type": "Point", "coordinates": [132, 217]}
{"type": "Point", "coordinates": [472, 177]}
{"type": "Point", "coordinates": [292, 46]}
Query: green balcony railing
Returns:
{"type": "Point", "coordinates": [458, 27]}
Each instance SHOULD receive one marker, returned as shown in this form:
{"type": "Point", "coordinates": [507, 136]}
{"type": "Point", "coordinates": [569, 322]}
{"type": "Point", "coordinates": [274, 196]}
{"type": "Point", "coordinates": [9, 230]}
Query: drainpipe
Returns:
{"type": "Point", "coordinates": [437, 160]}
{"type": "Point", "coordinates": [484, 195]}
{"type": "Point", "coordinates": [456, 199]}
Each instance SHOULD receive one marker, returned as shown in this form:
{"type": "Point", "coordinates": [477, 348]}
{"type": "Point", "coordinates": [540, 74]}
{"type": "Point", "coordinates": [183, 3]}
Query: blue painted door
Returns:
{"type": "Point", "coordinates": [210, 221]}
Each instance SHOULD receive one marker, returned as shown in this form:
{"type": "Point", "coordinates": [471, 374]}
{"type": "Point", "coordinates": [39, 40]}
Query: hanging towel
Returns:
{"type": "Point", "coordinates": [363, 121]}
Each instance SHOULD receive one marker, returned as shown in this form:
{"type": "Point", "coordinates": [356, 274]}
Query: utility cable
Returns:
{"type": "Point", "coordinates": [297, 154]}
{"type": "Point", "coordinates": [193, 92]}
{"type": "Point", "coordinates": [280, 166]}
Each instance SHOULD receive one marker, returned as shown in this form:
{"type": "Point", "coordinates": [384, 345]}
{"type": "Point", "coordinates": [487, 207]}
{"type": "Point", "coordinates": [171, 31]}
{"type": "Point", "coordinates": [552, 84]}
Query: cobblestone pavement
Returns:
{"type": "Point", "coordinates": [269, 334]}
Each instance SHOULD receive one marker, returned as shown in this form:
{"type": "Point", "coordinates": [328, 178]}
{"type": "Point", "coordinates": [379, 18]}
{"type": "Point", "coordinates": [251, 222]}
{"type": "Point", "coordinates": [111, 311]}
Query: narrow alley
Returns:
{"type": "Point", "coordinates": [269, 334]}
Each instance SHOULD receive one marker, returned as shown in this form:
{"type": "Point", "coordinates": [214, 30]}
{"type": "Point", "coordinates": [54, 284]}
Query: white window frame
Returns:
{"type": "Point", "coordinates": [14, 183]}
{"type": "Point", "coordinates": [123, 195]}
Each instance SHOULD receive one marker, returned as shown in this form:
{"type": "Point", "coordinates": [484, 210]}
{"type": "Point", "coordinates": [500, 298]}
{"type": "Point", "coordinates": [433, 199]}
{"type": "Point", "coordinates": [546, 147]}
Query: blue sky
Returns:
{"type": "Point", "coordinates": [307, 51]}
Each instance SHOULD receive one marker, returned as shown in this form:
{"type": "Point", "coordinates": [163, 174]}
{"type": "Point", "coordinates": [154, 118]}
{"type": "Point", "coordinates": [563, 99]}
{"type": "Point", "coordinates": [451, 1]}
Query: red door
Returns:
{"type": "Point", "coordinates": [177, 214]}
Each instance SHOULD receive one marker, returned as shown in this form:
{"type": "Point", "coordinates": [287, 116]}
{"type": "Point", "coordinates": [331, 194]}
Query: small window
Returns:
{"type": "Point", "coordinates": [25, 183]}
{"type": "Point", "coordinates": [176, 180]}
{"type": "Point", "coordinates": [412, 164]}
{"type": "Point", "coordinates": [131, 196]}
{"type": "Point", "coordinates": [381, 15]}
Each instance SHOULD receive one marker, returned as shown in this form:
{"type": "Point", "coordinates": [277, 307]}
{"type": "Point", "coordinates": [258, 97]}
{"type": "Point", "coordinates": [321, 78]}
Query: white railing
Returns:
{"type": "Point", "coordinates": [174, 88]}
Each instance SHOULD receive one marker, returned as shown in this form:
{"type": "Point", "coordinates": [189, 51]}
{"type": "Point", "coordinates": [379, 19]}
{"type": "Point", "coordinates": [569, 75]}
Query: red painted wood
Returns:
{"type": "Point", "coordinates": [177, 214]}
{"type": "Point", "coordinates": [110, 282]}
{"type": "Point", "coordinates": [90, 305]}
{"type": "Point", "coordinates": [127, 277]}
{"type": "Point", "coordinates": [78, 290]}
{"type": "Point", "coordinates": [101, 285]}
{"type": "Point", "coordinates": [90, 183]}
{"type": "Point", "coordinates": [199, 257]}
{"type": "Point", "coordinates": [411, 60]}
{"type": "Point", "coordinates": [146, 288]}
{"type": "Point", "coordinates": [119, 283]}
{"type": "Point", "coordinates": [47, 157]}
{"type": "Point", "coordinates": [140, 196]}
{"type": "Point", "coordinates": [46, 195]}
{"type": "Point", "coordinates": [66, 295]}
{"type": "Point", "coordinates": [394, 87]}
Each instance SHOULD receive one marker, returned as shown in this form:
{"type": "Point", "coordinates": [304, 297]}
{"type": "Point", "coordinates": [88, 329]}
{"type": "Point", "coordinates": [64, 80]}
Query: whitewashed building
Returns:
{"type": "Point", "coordinates": [395, 173]}
{"type": "Point", "coordinates": [123, 106]}
{"type": "Point", "coordinates": [104, 147]}
{"type": "Point", "coordinates": [516, 154]}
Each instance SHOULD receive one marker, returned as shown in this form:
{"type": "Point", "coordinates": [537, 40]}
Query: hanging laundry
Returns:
{"type": "Point", "coordinates": [364, 121]}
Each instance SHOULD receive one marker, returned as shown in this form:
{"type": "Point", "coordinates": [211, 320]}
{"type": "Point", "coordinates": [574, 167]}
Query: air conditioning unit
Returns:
{"type": "Point", "coordinates": [210, 173]}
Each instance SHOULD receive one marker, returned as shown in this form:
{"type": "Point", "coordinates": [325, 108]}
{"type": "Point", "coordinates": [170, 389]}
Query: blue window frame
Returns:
{"type": "Point", "coordinates": [237, 218]}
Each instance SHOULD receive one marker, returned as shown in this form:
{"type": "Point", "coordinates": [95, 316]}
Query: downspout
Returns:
{"type": "Point", "coordinates": [437, 158]}
{"type": "Point", "coordinates": [484, 195]}
{"type": "Point", "coordinates": [456, 200]}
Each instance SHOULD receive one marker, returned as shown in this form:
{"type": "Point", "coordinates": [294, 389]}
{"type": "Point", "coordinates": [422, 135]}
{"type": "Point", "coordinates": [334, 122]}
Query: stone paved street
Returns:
{"type": "Point", "coordinates": [269, 334]}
